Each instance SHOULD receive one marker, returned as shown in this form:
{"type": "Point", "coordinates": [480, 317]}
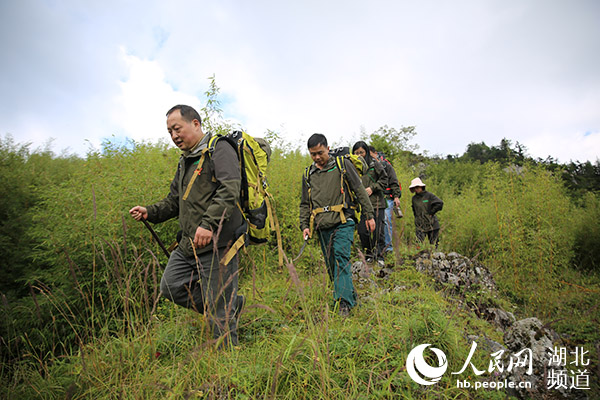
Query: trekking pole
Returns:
{"type": "Point", "coordinates": [155, 236]}
{"type": "Point", "coordinates": [302, 249]}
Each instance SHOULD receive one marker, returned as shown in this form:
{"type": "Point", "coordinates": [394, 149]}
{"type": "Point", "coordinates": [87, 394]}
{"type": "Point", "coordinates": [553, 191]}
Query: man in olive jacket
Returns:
{"type": "Point", "coordinates": [204, 196]}
{"type": "Point", "coordinates": [326, 208]}
{"type": "Point", "coordinates": [425, 205]}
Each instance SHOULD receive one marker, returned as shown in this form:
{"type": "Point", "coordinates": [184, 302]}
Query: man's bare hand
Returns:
{"type": "Point", "coordinates": [139, 213]}
{"type": "Point", "coordinates": [397, 201]}
{"type": "Point", "coordinates": [369, 191]}
{"type": "Point", "coordinates": [305, 233]}
{"type": "Point", "coordinates": [202, 237]}
{"type": "Point", "coordinates": [370, 225]}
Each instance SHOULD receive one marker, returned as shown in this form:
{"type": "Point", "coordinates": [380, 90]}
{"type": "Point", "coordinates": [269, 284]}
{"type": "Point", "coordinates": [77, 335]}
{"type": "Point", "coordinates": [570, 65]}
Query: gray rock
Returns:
{"type": "Point", "coordinates": [357, 266]}
{"type": "Point", "coordinates": [529, 336]}
{"type": "Point", "coordinates": [455, 269]}
{"type": "Point", "coordinates": [362, 269]}
{"type": "Point", "coordinates": [453, 279]}
{"type": "Point", "coordinates": [529, 333]}
{"type": "Point", "coordinates": [502, 319]}
{"type": "Point", "coordinates": [488, 345]}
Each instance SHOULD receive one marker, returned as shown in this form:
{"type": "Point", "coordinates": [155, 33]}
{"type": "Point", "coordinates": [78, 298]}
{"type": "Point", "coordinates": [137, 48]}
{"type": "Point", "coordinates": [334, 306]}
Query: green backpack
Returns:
{"type": "Point", "coordinates": [256, 203]}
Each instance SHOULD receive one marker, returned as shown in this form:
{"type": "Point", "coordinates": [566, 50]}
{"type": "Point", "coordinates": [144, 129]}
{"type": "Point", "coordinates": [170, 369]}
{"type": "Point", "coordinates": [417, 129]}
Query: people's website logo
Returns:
{"type": "Point", "coordinates": [500, 367]}
{"type": "Point", "coordinates": [424, 374]}
{"type": "Point", "coordinates": [418, 369]}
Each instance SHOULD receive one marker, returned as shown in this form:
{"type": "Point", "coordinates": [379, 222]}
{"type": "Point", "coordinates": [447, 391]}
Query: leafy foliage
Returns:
{"type": "Point", "coordinates": [391, 141]}
{"type": "Point", "coordinates": [25, 176]}
{"type": "Point", "coordinates": [503, 153]}
{"type": "Point", "coordinates": [582, 177]}
{"type": "Point", "coordinates": [578, 177]}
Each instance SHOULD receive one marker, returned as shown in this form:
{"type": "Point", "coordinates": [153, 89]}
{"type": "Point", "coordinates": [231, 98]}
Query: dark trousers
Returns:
{"type": "Point", "coordinates": [433, 236]}
{"type": "Point", "coordinates": [206, 287]}
{"type": "Point", "coordinates": [373, 243]}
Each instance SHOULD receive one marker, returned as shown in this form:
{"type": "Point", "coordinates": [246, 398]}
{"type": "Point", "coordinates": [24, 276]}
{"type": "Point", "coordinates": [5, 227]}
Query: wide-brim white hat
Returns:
{"type": "Point", "coordinates": [416, 182]}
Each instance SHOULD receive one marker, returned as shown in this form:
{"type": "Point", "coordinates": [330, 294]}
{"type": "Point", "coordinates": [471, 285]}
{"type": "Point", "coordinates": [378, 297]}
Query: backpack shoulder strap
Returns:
{"type": "Point", "coordinates": [209, 150]}
{"type": "Point", "coordinates": [306, 177]}
{"type": "Point", "coordinates": [212, 143]}
{"type": "Point", "coordinates": [341, 164]}
{"type": "Point", "coordinates": [197, 173]}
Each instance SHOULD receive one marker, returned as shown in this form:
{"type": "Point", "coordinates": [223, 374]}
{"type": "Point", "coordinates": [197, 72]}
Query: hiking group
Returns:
{"type": "Point", "coordinates": [221, 201]}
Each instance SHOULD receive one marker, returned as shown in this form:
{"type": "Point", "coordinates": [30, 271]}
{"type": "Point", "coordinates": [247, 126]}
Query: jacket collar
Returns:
{"type": "Point", "coordinates": [197, 149]}
{"type": "Point", "coordinates": [331, 163]}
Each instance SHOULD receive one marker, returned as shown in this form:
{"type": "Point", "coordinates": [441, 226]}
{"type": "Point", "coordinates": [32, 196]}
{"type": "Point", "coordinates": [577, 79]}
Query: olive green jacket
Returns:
{"type": "Point", "coordinates": [393, 188]}
{"type": "Point", "coordinates": [326, 191]}
{"type": "Point", "coordinates": [377, 180]}
{"type": "Point", "coordinates": [212, 199]}
{"type": "Point", "coordinates": [425, 205]}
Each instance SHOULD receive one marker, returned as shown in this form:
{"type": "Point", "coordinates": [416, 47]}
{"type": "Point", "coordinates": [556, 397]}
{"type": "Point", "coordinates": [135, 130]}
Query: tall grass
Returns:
{"type": "Point", "coordinates": [104, 332]}
{"type": "Point", "coordinates": [294, 345]}
{"type": "Point", "coordinates": [522, 225]}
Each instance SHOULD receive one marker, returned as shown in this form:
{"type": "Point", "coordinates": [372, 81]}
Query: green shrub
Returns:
{"type": "Point", "coordinates": [586, 248]}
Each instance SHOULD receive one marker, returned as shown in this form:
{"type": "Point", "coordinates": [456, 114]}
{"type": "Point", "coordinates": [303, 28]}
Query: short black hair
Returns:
{"type": "Point", "coordinates": [187, 113]}
{"type": "Point", "coordinates": [372, 149]}
{"type": "Point", "coordinates": [316, 139]}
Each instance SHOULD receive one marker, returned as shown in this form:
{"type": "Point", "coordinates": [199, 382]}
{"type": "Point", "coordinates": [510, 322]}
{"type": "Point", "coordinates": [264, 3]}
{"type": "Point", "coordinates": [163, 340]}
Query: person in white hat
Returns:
{"type": "Point", "coordinates": [425, 205]}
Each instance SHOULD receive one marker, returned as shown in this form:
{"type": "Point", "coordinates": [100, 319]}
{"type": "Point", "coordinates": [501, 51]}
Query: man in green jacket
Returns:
{"type": "Point", "coordinates": [204, 196]}
{"type": "Point", "coordinates": [326, 208]}
{"type": "Point", "coordinates": [425, 205]}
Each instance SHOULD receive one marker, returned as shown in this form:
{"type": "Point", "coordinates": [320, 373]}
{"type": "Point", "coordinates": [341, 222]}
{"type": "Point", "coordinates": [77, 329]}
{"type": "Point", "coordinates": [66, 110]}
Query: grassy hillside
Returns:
{"type": "Point", "coordinates": [292, 345]}
{"type": "Point", "coordinates": [88, 321]}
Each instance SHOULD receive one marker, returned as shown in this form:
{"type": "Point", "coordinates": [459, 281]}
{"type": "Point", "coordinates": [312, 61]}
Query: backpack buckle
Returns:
{"type": "Point", "coordinates": [326, 209]}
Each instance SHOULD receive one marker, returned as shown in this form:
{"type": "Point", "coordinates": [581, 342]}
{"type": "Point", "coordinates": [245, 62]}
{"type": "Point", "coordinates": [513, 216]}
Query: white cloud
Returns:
{"type": "Point", "coordinates": [578, 146]}
{"type": "Point", "coordinates": [144, 99]}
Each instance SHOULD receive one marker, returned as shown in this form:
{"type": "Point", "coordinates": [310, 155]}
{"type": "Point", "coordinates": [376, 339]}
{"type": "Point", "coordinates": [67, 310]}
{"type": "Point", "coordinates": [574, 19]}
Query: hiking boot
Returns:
{"type": "Point", "coordinates": [369, 259]}
{"type": "Point", "coordinates": [381, 263]}
{"type": "Point", "coordinates": [344, 309]}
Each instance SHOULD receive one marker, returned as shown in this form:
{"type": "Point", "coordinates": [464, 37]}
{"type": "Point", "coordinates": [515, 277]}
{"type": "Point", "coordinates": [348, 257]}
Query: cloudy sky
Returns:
{"type": "Point", "coordinates": [461, 72]}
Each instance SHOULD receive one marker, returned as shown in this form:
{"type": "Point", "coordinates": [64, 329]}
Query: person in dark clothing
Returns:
{"type": "Point", "coordinates": [375, 181]}
{"type": "Point", "coordinates": [425, 205]}
{"type": "Point", "coordinates": [202, 272]}
{"type": "Point", "coordinates": [392, 193]}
